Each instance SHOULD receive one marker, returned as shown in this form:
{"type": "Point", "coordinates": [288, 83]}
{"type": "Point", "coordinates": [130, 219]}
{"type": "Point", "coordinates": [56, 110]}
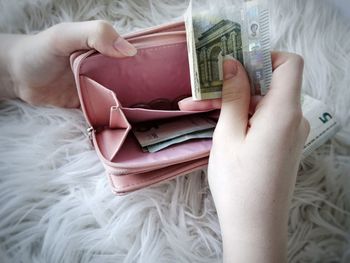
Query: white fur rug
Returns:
{"type": "Point", "coordinates": [55, 202]}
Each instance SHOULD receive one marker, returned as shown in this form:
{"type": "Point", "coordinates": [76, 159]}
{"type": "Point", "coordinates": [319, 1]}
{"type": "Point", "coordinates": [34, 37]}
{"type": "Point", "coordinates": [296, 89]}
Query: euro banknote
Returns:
{"type": "Point", "coordinates": [150, 133]}
{"type": "Point", "coordinates": [157, 135]}
{"type": "Point", "coordinates": [323, 124]}
{"type": "Point", "coordinates": [203, 134]}
{"type": "Point", "coordinates": [239, 31]}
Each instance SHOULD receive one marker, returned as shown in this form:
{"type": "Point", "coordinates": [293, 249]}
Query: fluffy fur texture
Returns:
{"type": "Point", "coordinates": [55, 201]}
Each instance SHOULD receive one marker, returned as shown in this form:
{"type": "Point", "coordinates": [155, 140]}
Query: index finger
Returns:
{"type": "Point", "coordinates": [66, 38]}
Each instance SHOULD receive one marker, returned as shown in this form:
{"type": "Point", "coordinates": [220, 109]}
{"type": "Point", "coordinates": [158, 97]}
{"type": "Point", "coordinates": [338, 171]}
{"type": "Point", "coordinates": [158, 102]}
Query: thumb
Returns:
{"type": "Point", "coordinates": [233, 118]}
{"type": "Point", "coordinates": [66, 38]}
{"type": "Point", "coordinates": [188, 104]}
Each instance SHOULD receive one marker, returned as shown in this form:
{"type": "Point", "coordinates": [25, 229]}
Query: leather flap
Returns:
{"type": "Point", "coordinates": [97, 101]}
{"type": "Point", "coordinates": [109, 141]}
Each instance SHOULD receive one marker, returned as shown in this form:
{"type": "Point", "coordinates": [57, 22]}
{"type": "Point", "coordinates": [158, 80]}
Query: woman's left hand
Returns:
{"type": "Point", "coordinates": [39, 67]}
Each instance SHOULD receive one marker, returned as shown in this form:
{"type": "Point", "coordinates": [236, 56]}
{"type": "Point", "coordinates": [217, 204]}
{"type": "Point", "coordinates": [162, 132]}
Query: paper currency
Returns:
{"type": "Point", "coordinates": [194, 135]}
{"type": "Point", "coordinates": [150, 133]}
{"type": "Point", "coordinates": [323, 125]}
{"type": "Point", "coordinates": [242, 32]}
{"type": "Point", "coordinates": [157, 135]}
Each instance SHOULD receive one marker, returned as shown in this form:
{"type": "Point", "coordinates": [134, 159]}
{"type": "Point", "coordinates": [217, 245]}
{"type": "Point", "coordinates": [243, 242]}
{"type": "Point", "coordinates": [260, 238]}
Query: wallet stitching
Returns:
{"type": "Point", "coordinates": [161, 47]}
{"type": "Point", "coordinates": [139, 182]}
{"type": "Point", "coordinates": [144, 180]}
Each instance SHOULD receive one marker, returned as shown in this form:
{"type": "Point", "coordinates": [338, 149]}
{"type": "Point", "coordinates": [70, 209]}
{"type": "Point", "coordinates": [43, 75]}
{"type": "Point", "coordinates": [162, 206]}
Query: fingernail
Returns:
{"type": "Point", "coordinates": [125, 47]}
{"type": "Point", "coordinates": [216, 103]}
{"type": "Point", "coordinates": [229, 57]}
{"type": "Point", "coordinates": [230, 70]}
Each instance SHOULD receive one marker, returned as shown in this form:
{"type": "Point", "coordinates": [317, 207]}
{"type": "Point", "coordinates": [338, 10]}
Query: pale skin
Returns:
{"type": "Point", "coordinates": [253, 162]}
{"type": "Point", "coordinates": [36, 68]}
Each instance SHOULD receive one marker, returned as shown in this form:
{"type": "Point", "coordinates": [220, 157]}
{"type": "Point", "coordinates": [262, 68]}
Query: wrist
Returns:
{"type": "Point", "coordinates": [7, 90]}
{"type": "Point", "coordinates": [254, 227]}
{"type": "Point", "coordinates": [259, 238]}
{"type": "Point", "coordinates": [9, 43]}
{"type": "Point", "coordinates": [254, 247]}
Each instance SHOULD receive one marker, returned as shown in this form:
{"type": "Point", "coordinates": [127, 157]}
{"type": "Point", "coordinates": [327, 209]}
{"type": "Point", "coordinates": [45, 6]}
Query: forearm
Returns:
{"type": "Point", "coordinates": [8, 43]}
{"type": "Point", "coordinates": [254, 220]}
{"type": "Point", "coordinates": [260, 240]}
{"type": "Point", "coordinates": [254, 161]}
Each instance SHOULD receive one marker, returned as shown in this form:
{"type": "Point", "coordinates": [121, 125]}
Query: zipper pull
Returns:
{"type": "Point", "coordinates": [89, 131]}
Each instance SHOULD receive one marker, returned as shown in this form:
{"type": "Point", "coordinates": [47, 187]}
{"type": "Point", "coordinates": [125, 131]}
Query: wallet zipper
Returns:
{"type": "Point", "coordinates": [89, 132]}
{"type": "Point", "coordinates": [127, 171]}
{"type": "Point", "coordinates": [156, 29]}
{"type": "Point", "coordinates": [158, 39]}
{"type": "Point", "coordinates": [123, 171]}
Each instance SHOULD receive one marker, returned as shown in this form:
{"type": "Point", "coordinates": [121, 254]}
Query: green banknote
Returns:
{"type": "Point", "coordinates": [238, 31]}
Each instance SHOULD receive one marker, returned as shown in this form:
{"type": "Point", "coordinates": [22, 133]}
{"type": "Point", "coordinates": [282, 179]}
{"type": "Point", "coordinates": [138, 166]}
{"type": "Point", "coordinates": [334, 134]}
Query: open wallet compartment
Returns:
{"type": "Point", "coordinates": [111, 91]}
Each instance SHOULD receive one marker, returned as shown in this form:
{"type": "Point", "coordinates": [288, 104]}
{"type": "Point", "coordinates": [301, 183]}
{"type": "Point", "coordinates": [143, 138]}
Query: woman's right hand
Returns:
{"type": "Point", "coordinates": [254, 161]}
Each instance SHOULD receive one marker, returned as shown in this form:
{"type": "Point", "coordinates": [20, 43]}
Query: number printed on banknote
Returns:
{"type": "Point", "coordinates": [241, 32]}
{"type": "Point", "coordinates": [323, 124]}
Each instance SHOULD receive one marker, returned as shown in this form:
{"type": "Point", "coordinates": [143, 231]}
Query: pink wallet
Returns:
{"type": "Point", "coordinates": [117, 93]}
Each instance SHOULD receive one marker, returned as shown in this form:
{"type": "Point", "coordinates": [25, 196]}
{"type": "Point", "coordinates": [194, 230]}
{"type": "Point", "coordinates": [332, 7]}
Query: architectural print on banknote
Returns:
{"type": "Point", "coordinates": [214, 39]}
{"type": "Point", "coordinates": [241, 31]}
